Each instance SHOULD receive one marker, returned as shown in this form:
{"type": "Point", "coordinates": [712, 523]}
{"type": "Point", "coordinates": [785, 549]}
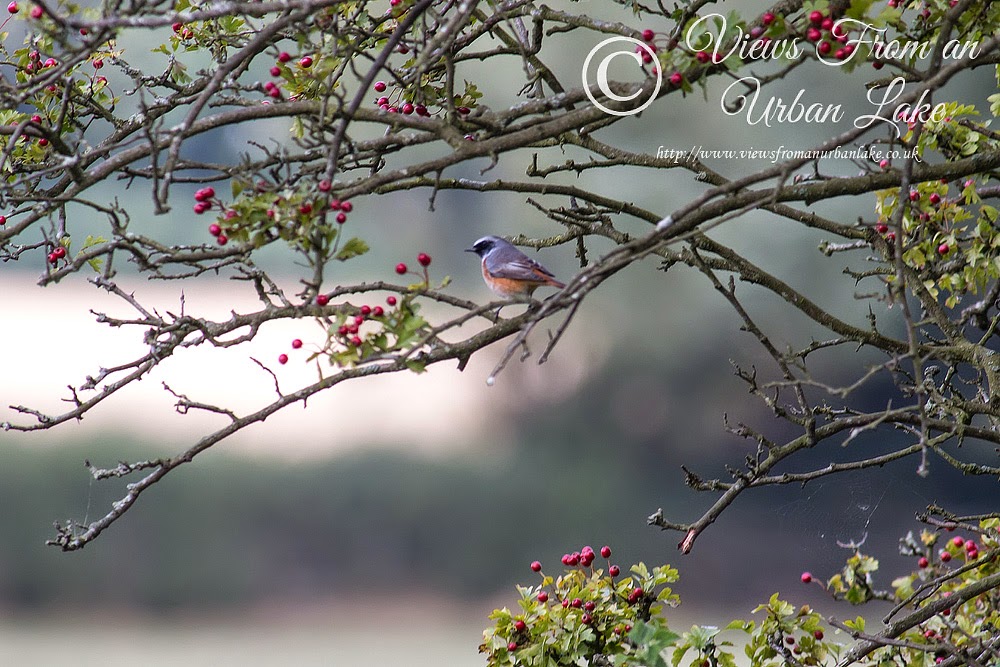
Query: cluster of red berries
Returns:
{"type": "Point", "coordinates": [342, 207]}
{"type": "Point", "coordinates": [349, 332]}
{"type": "Point", "coordinates": [183, 31]}
{"type": "Point", "coordinates": [384, 103]}
{"type": "Point", "coordinates": [36, 11]}
{"type": "Point", "coordinates": [59, 252]}
{"type": "Point", "coordinates": [914, 197]}
{"type": "Point", "coordinates": [582, 558]}
{"type": "Point", "coordinates": [970, 546]}
{"type": "Point", "coordinates": [423, 259]}
{"type": "Point", "coordinates": [796, 649]}
{"type": "Point", "coordinates": [828, 36]}
{"type": "Point", "coordinates": [296, 344]}
{"type": "Point", "coordinates": [270, 87]}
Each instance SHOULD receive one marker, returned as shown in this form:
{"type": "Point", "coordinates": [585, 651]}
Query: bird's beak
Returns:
{"type": "Point", "coordinates": [470, 250]}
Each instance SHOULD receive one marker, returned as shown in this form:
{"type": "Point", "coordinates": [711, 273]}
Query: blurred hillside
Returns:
{"type": "Point", "coordinates": [235, 531]}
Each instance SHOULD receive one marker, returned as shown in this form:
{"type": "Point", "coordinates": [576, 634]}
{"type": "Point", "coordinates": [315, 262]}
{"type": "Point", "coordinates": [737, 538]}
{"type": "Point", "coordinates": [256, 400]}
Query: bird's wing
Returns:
{"type": "Point", "coordinates": [522, 269]}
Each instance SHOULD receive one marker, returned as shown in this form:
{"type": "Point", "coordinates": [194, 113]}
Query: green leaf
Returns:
{"type": "Point", "coordinates": [354, 247]}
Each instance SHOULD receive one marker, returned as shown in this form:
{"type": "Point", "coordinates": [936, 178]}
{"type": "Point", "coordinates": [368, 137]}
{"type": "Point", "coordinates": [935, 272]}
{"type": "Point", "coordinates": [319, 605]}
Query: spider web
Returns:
{"type": "Point", "coordinates": [836, 512]}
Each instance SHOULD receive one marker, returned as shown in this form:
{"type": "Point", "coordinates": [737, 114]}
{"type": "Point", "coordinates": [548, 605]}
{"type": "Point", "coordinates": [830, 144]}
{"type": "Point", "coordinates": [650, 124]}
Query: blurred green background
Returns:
{"type": "Point", "coordinates": [303, 551]}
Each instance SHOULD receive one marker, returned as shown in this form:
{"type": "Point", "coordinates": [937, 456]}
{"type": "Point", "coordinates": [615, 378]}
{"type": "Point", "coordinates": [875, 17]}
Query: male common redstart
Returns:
{"type": "Point", "coordinates": [508, 271]}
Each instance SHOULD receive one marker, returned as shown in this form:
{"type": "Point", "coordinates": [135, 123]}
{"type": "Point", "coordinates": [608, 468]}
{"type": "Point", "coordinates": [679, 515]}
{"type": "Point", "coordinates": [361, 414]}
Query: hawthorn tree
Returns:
{"type": "Point", "coordinates": [382, 97]}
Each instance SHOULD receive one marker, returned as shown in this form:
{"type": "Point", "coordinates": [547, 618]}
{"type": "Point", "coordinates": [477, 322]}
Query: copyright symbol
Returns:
{"type": "Point", "coordinates": [602, 75]}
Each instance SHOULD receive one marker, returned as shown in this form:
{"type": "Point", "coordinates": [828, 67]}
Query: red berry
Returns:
{"type": "Point", "coordinates": [816, 18]}
{"type": "Point", "coordinates": [335, 204]}
{"type": "Point", "coordinates": [306, 208]}
{"type": "Point", "coordinates": [576, 603]}
{"type": "Point", "coordinates": [519, 625]}
{"type": "Point", "coordinates": [883, 163]}
{"type": "Point", "coordinates": [971, 546]}
{"type": "Point", "coordinates": [648, 35]}
{"type": "Point", "coordinates": [543, 596]}
{"type": "Point", "coordinates": [586, 619]}
{"type": "Point", "coordinates": [535, 565]}
{"type": "Point", "coordinates": [391, 300]}
{"type": "Point", "coordinates": [274, 92]}
{"type": "Point", "coordinates": [12, 8]}
{"type": "Point", "coordinates": [356, 341]}
{"type": "Point", "coordinates": [322, 299]}
{"type": "Point", "coordinates": [606, 552]}
{"type": "Point", "coordinates": [465, 111]}
{"type": "Point", "coordinates": [43, 142]}
{"type": "Point", "coordinates": [3, 219]}
{"type": "Point", "coordinates": [923, 562]}
{"type": "Point", "coordinates": [284, 57]}
{"type": "Point", "coordinates": [199, 208]}
{"type": "Point", "coordinates": [614, 570]}
{"type": "Point", "coordinates": [935, 198]}
{"type": "Point", "coordinates": [36, 12]}
{"type": "Point", "coordinates": [806, 578]}
{"type": "Point", "coordinates": [221, 239]}
{"type": "Point", "coordinates": [209, 192]}
{"type": "Point", "coordinates": [891, 237]}
{"type": "Point", "coordinates": [635, 595]}
{"type": "Point", "coordinates": [957, 541]}
{"type": "Point", "coordinates": [767, 18]}
{"type": "Point", "coordinates": [824, 48]}
{"type": "Point", "coordinates": [789, 640]}
{"type": "Point", "coordinates": [99, 63]}
{"type": "Point", "coordinates": [52, 258]}
{"type": "Point", "coordinates": [341, 218]}
{"type": "Point", "coordinates": [59, 252]}
{"type": "Point", "coordinates": [380, 86]}
{"type": "Point", "coordinates": [366, 310]}
{"type": "Point", "coordinates": [282, 358]}
{"type": "Point", "coordinates": [306, 62]}
{"type": "Point", "coordinates": [512, 646]}
{"type": "Point", "coordinates": [702, 57]}
{"type": "Point", "coordinates": [342, 330]}
{"type": "Point", "coordinates": [945, 556]}
{"type": "Point", "coordinates": [424, 259]}
{"type": "Point", "coordinates": [401, 268]}
{"type": "Point", "coordinates": [346, 206]}
{"type": "Point", "coordinates": [214, 229]}
{"type": "Point", "coordinates": [914, 195]}
{"type": "Point", "coordinates": [943, 249]}
{"type": "Point", "coordinates": [813, 34]}
{"type": "Point", "coordinates": [324, 185]}
{"type": "Point", "coordinates": [378, 312]}
{"type": "Point", "coordinates": [949, 527]}
{"type": "Point", "coordinates": [676, 79]}
{"type": "Point", "coordinates": [818, 634]}
{"type": "Point", "coordinates": [275, 71]}
{"type": "Point", "coordinates": [296, 344]}
{"type": "Point", "coordinates": [589, 605]}
{"type": "Point", "coordinates": [827, 24]}
{"type": "Point", "coordinates": [407, 108]}
{"type": "Point", "coordinates": [421, 110]}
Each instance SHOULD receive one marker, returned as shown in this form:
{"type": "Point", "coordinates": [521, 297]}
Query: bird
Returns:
{"type": "Point", "coordinates": [508, 271]}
